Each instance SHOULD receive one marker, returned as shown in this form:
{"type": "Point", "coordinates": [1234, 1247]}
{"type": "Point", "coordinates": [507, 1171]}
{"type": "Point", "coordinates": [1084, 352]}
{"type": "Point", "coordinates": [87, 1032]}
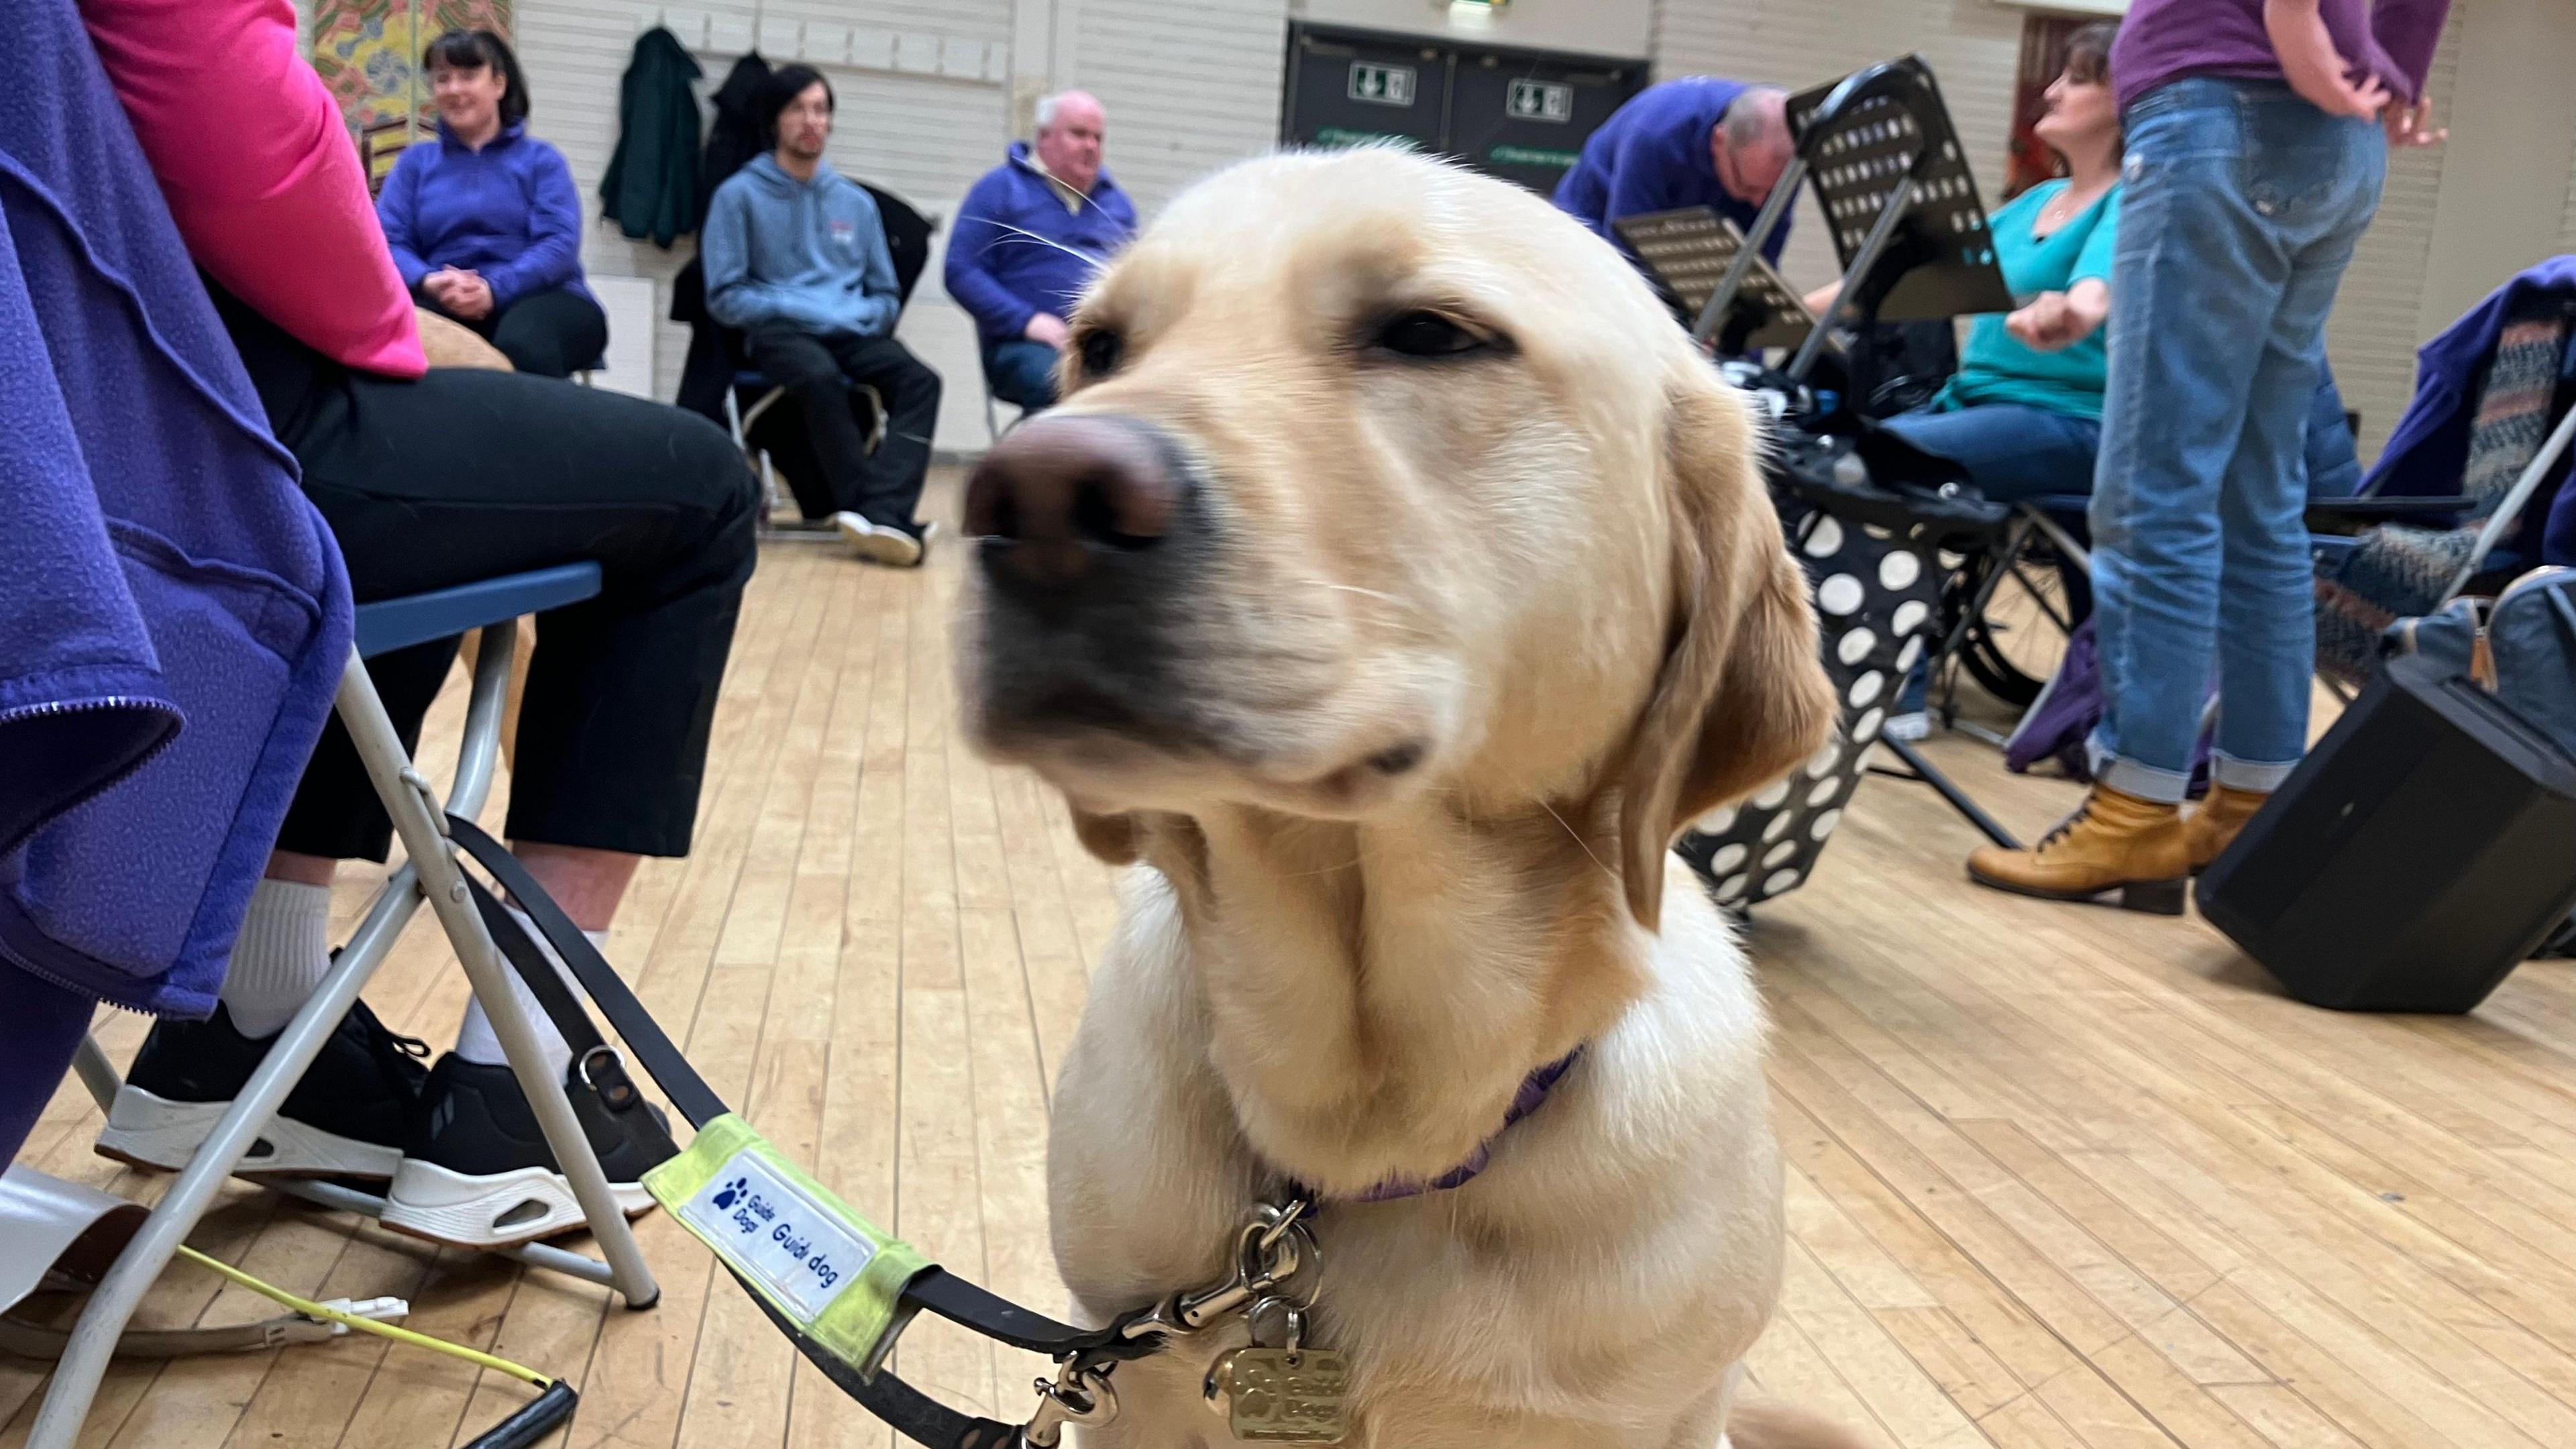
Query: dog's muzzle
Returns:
{"type": "Point", "coordinates": [1093, 539]}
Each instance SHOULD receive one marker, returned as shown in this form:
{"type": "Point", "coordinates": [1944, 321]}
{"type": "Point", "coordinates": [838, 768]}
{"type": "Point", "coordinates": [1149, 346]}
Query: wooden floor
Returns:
{"type": "Point", "coordinates": [2058, 1176]}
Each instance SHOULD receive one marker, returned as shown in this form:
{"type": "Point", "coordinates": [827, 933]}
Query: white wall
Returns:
{"type": "Point", "coordinates": [2502, 206]}
{"type": "Point", "coordinates": [1621, 28]}
{"type": "Point", "coordinates": [1188, 88]}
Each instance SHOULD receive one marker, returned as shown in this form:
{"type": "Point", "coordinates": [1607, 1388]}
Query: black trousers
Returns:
{"type": "Point", "coordinates": [818, 372]}
{"type": "Point", "coordinates": [468, 474]}
{"type": "Point", "coordinates": [554, 333]}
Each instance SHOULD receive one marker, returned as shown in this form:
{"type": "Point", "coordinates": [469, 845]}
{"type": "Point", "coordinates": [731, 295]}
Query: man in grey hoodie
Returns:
{"type": "Point", "coordinates": [796, 257]}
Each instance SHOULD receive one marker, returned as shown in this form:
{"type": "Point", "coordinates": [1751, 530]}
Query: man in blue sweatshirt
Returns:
{"type": "Point", "coordinates": [1694, 141]}
{"type": "Point", "coordinates": [1030, 237]}
{"type": "Point", "coordinates": [796, 257]}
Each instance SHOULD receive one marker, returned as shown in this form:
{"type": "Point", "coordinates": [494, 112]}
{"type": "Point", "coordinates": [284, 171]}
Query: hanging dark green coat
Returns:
{"type": "Point", "coordinates": [651, 189]}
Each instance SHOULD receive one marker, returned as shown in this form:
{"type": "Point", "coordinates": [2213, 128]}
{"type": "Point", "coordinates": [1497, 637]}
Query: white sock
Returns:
{"type": "Point", "coordinates": [475, 1041]}
{"type": "Point", "coordinates": [282, 955]}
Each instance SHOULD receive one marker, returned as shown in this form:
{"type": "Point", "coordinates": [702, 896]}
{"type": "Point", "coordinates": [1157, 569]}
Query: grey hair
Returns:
{"type": "Point", "coordinates": [1749, 123]}
{"type": "Point", "coordinates": [1048, 107]}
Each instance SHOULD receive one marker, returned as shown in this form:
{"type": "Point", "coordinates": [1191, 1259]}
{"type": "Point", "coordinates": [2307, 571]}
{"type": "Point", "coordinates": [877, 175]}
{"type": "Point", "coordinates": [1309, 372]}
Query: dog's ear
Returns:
{"type": "Point", "coordinates": [1742, 695]}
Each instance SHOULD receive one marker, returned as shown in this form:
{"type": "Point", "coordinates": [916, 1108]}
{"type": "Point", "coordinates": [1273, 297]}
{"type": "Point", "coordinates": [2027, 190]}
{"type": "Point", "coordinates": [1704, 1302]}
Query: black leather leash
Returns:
{"type": "Point", "coordinates": [914, 1414]}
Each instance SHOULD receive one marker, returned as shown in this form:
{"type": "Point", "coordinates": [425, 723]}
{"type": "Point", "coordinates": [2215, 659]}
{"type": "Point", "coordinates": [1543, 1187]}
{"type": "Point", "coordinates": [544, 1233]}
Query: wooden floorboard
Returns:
{"type": "Point", "coordinates": [2058, 1178]}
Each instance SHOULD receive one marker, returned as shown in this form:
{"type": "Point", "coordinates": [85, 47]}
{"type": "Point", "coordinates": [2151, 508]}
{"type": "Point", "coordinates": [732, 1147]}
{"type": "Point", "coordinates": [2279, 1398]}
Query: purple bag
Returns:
{"type": "Point", "coordinates": [2058, 723]}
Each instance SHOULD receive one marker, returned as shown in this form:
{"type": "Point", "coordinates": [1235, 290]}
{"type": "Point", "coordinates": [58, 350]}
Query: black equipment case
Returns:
{"type": "Point", "coordinates": [2420, 852]}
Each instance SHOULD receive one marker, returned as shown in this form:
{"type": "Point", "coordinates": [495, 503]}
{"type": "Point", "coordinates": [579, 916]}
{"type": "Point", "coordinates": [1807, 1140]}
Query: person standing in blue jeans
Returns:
{"type": "Point", "coordinates": [2255, 159]}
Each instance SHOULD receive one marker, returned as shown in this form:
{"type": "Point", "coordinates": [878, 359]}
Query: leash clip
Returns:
{"type": "Point", "coordinates": [1084, 1397]}
{"type": "Point", "coordinates": [1273, 1247]}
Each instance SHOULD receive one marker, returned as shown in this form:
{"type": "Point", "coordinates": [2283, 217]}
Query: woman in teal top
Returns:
{"type": "Point", "coordinates": [2023, 414]}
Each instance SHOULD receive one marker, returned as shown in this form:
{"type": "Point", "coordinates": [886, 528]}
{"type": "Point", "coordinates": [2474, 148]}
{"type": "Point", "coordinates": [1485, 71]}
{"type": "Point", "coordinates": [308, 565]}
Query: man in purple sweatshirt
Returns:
{"type": "Point", "coordinates": [2258, 133]}
{"type": "Point", "coordinates": [1029, 238]}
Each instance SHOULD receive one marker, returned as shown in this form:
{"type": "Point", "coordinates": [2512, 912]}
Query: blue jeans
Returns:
{"type": "Point", "coordinates": [2009, 451]}
{"type": "Point", "coordinates": [1021, 373]}
{"type": "Point", "coordinates": [2240, 208]}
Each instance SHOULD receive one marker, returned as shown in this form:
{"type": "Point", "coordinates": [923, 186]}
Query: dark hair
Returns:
{"type": "Point", "coordinates": [2088, 52]}
{"type": "Point", "coordinates": [482, 50]}
{"type": "Point", "coordinates": [780, 91]}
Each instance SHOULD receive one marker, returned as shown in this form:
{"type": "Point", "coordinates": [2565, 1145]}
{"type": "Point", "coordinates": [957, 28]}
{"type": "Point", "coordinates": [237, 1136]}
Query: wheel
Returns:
{"type": "Point", "coordinates": [2014, 645]}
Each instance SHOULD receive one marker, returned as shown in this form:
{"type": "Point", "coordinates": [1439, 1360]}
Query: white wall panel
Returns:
{"type": "Point", "coordinates": [1188, 88]}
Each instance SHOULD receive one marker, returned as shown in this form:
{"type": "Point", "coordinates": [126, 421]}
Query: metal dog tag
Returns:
{"type": "Point", "coordinates": [1282, 1395]}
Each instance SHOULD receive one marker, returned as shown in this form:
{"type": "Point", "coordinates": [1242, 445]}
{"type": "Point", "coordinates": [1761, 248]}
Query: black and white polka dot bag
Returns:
{"type": "Point", "coordinates": [1876, 595]}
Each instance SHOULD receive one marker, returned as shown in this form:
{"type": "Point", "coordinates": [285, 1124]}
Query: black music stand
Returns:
{"type": "Point", "coordinates": [1690, 251]}
{"type": "Point", "coordinates": [1895, 189]}
{"type": "Point", "coordinates": [1912, 237]}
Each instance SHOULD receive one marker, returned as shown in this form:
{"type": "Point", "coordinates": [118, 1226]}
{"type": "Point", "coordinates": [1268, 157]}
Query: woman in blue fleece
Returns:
{"type": "Point", "coordinates": [485, 223]}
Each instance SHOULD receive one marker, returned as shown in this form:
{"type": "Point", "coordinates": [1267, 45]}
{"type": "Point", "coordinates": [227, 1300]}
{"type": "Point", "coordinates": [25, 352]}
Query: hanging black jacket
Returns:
{"type": "Point", "coordinates": [738, 132]}
{"type": "Point", "coordinates": [651, 188]}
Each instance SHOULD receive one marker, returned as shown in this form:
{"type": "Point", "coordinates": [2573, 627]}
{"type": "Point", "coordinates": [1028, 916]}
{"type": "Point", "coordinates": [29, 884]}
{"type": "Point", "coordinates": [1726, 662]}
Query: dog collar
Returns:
{"type": "Point", "coordinates": [1532, 1094]}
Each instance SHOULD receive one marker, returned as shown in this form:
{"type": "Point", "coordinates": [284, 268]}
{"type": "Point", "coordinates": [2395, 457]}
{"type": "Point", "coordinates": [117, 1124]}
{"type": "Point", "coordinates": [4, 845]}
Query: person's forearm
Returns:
{"type": "Point", "coordinates": [2088, 306]}
{"type": "Point", "coordinates": [551, 262]}
{"type": "Point", "coordinates": [986, 300]}
{"type": "Point", "coordinates": [410, 265]}
{"type": "Point", "coordinates": [2409, 30]}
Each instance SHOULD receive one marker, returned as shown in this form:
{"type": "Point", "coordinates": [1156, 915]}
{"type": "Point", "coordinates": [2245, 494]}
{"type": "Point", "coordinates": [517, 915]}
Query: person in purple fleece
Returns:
{"type": "Point", "coordinates": [2258, 136]}
{"type": "Point", "coordinates": [1030, 237]}
{"type": "Point", "coordinates": [485, 222]}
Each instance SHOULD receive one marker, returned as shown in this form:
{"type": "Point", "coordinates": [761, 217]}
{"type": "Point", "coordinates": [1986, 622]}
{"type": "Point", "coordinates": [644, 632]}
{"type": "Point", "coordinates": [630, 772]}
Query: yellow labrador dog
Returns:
{"type": "Point", "coordinates": [1393, 582]}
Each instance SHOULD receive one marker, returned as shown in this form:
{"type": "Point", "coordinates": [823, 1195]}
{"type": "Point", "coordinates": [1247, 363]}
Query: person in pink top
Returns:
{"type": "Point", "coordinates": [429, 479]}
{"type": "Point", "coordinates": [259, 171]}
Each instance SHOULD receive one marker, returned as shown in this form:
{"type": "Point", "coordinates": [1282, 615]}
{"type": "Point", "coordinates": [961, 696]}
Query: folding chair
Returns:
{"type": "Point", "coordinates": [994, 427]}
{"type": "Point", "coordinates": [747, 398]}
{"type": "Point", "coordinates": [430, 872]}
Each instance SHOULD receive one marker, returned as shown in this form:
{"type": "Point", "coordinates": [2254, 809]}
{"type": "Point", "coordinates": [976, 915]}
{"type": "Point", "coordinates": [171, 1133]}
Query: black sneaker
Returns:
{"type": "Point", "coordinates": [477, 1172]}
{"type": "Point", "coordinates": [348, 1117]}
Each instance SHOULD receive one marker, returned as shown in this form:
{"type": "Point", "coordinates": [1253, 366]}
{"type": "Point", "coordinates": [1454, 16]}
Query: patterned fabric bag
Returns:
{"type": "Point", "coordinates": [2397, 572]}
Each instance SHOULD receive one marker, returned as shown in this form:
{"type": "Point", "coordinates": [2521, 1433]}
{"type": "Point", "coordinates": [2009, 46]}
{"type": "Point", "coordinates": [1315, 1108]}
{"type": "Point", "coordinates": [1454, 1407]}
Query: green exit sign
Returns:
{"type": "Point", "coordinates": [1380, 84]}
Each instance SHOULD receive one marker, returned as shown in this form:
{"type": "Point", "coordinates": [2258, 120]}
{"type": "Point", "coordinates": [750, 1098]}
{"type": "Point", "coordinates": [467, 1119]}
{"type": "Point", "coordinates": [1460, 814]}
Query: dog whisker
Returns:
{"type": "Point", "coordinates": [1028, 237]}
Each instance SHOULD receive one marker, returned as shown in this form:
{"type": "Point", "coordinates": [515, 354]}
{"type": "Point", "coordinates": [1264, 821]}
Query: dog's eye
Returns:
{"type": "Point", "coordinates": [1101, 351]}
{"type": "Point", "coordinates": [1427, 334]}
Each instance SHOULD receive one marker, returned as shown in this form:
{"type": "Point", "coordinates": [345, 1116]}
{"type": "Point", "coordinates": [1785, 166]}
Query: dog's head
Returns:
{"type": "Point", "coordinates": [1376, 477]}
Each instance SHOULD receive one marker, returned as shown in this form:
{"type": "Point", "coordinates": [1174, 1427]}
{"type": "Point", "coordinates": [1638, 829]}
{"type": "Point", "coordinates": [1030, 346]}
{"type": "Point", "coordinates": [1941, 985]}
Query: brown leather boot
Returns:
{"type": "Point", "coordinates": [2213, 827]}
{"type": "Point", "coordinates": [2113, 842]}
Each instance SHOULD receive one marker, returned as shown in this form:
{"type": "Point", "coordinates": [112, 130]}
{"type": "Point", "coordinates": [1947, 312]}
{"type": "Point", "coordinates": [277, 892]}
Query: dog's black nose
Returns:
{"type": "Point", "coordinates": [1063, 500]}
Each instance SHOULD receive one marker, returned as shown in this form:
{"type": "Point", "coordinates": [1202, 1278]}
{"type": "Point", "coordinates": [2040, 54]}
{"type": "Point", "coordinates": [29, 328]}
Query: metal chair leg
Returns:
{"type": "Point", "coordinates": [431, 873]}
{"type": "Point", "coordinates": [96, 1072]}
{"type": "Point", "coordinates": [420, 820]}
{"type": "Point", "coordinates": [103, 1319]}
